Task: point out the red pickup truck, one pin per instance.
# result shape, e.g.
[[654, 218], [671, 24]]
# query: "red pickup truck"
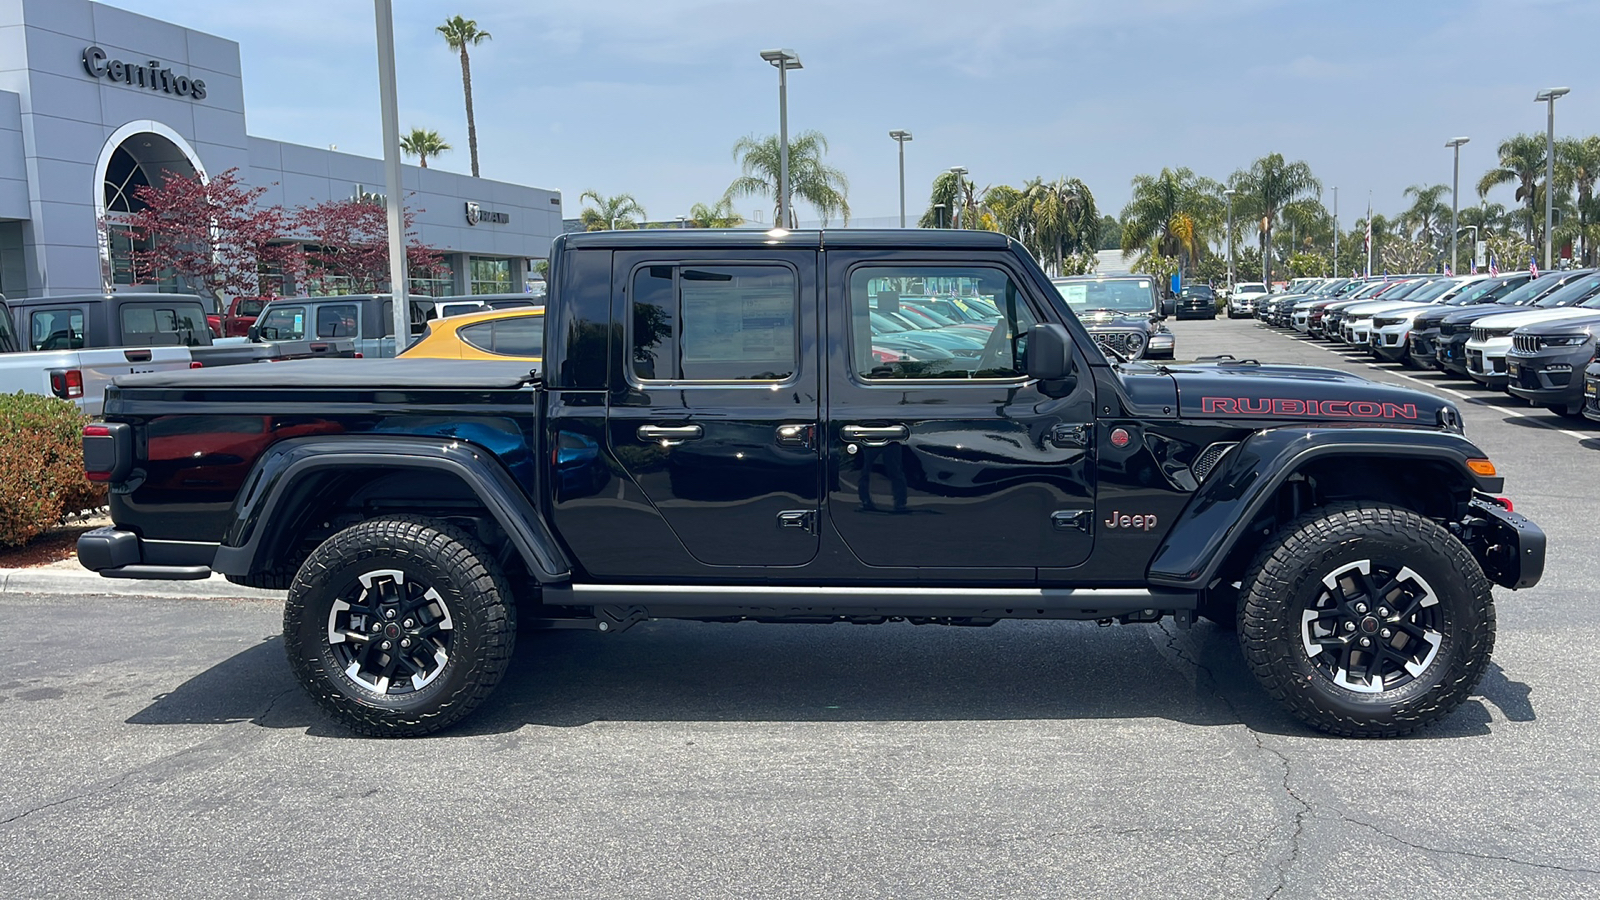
[[236, 322]]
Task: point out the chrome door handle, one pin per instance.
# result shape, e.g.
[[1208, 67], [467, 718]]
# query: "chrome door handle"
[[874, 436], [670, 435]]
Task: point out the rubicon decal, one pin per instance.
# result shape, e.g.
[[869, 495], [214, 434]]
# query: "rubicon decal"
[[1284, 406]]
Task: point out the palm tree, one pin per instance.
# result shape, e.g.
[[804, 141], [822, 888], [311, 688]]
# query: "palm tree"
[[946, 197], [610, 212], [460, 34], [1068, 222], [1578, 164], [1521, 161], [1428, 211], [1265, 189], [1170, 214], [422, 144], [810, 179], [718, 215]]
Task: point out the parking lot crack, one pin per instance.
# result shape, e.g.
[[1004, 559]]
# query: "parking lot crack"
[[1444, 851], [104, 789], [261, 718]]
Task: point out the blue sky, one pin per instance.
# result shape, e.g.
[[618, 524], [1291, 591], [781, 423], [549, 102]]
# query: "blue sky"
[[648, 96]]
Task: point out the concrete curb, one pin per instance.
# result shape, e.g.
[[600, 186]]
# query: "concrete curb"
[[66, 581]]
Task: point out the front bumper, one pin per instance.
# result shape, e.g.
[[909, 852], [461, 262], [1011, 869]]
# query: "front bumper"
[[1591, 393], [1451, 353], [1486, 361], [115, 553], [1509, 547], [1423, 344], [1552, 378], [1391, 342]]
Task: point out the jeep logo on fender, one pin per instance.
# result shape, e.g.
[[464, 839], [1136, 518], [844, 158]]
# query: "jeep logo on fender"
[[1280, 406], [1120, 520]]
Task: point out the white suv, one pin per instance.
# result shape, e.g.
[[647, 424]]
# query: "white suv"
[[1242, 302]]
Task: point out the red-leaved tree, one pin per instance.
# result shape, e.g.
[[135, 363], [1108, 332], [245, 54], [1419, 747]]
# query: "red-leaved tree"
[[349, 239], [213, 234]]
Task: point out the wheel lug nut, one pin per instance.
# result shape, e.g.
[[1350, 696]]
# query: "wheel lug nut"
[[386, 645], [1366, 642], [1386, 633], [389, 613], [1383, 611], [409, 623], [1361, 607], [405, 642], [1349, 626], [376, 627]]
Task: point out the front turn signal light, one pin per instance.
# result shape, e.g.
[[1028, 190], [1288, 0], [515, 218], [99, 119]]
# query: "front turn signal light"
[[1481, 467]]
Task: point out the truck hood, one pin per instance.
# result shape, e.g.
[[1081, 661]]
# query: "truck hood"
[[1300, 394]]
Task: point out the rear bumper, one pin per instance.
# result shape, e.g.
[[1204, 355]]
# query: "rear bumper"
[[115, 553]]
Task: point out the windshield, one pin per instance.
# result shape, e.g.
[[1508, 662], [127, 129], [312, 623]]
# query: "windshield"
[[1133, 295], [1531, 291], [1195, 290], [1250, 287], [1575, 292], [1402, 290], [1431, 290]]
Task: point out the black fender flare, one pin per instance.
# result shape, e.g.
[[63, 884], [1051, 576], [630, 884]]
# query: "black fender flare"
[[1214, 521], [272, 480]]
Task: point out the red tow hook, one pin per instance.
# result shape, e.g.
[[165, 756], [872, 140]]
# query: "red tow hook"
[[1504, 501]]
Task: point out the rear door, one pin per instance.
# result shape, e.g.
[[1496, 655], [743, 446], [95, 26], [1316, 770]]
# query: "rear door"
[[714, 414], [960, 462]]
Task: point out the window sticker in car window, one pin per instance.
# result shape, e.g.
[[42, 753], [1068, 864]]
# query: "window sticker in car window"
[[1075, 294]]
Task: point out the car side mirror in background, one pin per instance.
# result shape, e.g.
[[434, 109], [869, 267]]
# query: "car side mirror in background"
[[1050, 354], [1169, 306]]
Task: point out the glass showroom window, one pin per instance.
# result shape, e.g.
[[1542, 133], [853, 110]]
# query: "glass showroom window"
[[490, 276]]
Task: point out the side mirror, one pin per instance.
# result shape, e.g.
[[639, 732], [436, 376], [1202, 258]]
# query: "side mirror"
[[265, 334], [1050, 353], [1169, 307]]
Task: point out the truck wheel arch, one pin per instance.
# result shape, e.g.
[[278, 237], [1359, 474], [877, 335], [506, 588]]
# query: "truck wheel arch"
[[1216, 526], [283, 488]]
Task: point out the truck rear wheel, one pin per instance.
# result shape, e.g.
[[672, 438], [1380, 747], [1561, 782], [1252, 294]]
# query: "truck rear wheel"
[[1367, 621], [399, 626]]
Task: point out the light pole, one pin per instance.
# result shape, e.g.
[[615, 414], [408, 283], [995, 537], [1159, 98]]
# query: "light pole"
[[399, 280], [1229, 194], [900, 137], [938, 215], [783, 61], [1336, 232], [1549, 96], [681, 221], [1474, 245], [960, 172], [1455, 188]]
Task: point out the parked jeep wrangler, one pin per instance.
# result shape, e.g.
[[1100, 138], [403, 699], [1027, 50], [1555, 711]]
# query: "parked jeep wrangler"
[[713, 437]]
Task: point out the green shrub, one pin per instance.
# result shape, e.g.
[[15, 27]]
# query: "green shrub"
[[41, 466]]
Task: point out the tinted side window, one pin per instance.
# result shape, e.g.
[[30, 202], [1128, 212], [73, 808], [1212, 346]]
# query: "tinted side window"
[[284, 323], [715, 323], [56, 329], [992, 344], [8, 332], [336, 320], [522, 336], [162, 325]]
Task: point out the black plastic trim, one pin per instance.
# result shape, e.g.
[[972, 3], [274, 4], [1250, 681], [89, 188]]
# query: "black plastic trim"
[[257, 509]]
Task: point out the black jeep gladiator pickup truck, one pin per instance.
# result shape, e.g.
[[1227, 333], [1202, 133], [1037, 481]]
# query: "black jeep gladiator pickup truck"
[[714, 436]]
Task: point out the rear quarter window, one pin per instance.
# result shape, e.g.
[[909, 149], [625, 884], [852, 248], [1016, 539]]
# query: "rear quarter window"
[[522, 336], [163, 324]]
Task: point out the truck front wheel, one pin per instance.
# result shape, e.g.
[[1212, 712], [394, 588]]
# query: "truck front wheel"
[[399, 626], [1367, 621]]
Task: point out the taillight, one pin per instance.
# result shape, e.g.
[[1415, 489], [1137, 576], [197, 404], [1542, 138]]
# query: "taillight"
[[107, 451], [67, 383], [357, 356], [196, 364]]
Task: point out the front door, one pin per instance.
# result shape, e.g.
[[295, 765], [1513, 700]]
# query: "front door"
[[941, 453], [714, 414]]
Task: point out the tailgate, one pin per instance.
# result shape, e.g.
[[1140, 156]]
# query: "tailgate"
[[99, 367]]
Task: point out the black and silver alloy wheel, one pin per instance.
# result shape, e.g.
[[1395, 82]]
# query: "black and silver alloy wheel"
[[1373, 629], [394, 636], [1366, 621], [399, 626]]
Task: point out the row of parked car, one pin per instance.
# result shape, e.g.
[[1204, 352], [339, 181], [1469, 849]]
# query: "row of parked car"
[[72, 347], [1534, 338]]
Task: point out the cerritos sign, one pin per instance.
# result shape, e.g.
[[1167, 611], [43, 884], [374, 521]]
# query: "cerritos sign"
[[148, 75]]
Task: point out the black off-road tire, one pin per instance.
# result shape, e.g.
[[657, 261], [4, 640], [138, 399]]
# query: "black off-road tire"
[[433, 556], [1285, 583]]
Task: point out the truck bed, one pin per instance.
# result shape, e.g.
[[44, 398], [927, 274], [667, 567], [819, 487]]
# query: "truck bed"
[[346, 374]]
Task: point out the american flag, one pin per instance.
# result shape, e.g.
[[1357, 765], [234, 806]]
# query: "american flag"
[[1447, 272], [1533, 267], [1494, 267]]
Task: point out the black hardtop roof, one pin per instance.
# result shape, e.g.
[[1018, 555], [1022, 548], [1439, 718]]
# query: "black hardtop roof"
[[750, 238], [120, 296]]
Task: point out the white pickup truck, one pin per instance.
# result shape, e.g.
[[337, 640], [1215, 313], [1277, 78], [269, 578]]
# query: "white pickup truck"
[[73, 346]]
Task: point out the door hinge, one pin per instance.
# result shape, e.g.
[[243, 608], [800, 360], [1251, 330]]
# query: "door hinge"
[[1071, 520], [1070, 435], [800, 519]]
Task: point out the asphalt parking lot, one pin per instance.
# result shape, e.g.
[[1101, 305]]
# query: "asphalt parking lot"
[[159, 748]]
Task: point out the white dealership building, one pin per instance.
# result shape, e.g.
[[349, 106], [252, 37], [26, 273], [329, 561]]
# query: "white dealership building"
[[96, 100]]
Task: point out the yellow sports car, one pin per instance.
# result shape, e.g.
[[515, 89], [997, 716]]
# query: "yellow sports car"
[[502, 334]]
